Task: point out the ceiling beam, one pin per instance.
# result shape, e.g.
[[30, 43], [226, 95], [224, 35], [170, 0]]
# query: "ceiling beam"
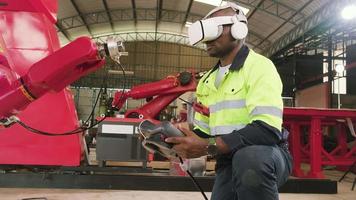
[[150, 36], [254, 10], [81, 16], [108, 13], [188, 12], [285, 22], [123, 15], [160, 5], [134, 13], [325, 14], [64, 32], [266, 7], [158, 14]]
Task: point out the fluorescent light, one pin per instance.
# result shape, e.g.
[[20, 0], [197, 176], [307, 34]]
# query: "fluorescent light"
[[339, 68], [244, 10], [349, 12], [187, 24], [117, 72], [221, 3], [210, 2]]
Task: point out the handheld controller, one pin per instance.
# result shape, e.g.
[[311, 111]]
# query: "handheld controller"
[[154, 136]]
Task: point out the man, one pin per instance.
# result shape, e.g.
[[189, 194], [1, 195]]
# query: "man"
[[243, 130]]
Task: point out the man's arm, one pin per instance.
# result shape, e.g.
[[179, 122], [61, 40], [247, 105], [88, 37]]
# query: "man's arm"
[[255, 133]]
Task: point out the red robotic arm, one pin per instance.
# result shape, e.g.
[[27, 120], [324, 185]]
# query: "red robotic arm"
[[164, 92], [52, 73], [81, 57]]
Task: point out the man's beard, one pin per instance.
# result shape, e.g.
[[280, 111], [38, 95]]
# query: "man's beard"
[[220, 53]]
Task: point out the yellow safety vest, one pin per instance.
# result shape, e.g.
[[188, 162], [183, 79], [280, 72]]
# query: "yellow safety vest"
[[251, 90]]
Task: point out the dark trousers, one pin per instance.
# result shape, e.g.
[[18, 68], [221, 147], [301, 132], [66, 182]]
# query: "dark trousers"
[[251, 173]]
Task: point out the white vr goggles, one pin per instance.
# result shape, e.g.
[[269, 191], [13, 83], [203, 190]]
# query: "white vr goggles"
[[211, 28]]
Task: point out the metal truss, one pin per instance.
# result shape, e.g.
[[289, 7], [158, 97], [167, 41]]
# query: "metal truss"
[[140, 15], [64, 32], [148, 36], [151, 36], [80, 14], [285, 22], [318, 39], [275, 8], [108, 14], [327, 12]]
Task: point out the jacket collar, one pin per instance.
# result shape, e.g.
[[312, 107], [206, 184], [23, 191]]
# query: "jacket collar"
[[238, 61]]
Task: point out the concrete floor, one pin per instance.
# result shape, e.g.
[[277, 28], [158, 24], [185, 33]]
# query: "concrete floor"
[[344, 193]]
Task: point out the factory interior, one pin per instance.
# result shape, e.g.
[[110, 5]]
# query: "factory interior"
[[90, 90]]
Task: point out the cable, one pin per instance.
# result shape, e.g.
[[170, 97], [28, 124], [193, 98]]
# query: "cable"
[[185, 101], [84, 126], [75, 131], [96, 101], [194, 180], [123, 85], [94, 106]]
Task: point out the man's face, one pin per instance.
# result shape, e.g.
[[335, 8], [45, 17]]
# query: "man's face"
[[224, 44]]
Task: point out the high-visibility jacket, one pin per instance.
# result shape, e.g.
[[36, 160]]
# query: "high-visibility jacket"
[[251, 90]]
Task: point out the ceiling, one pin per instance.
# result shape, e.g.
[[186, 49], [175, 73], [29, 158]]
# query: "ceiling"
[[165, 20]]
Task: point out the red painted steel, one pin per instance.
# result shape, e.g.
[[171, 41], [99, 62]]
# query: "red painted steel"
[[164, 92], [314, 122], [33, 66]]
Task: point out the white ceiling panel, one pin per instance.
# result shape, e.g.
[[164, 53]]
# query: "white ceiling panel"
[[125, 26], [65, 9], [201, 8], [77, 32], [181, 5], [146, 3], [118, 4], [170, 27], [89, 6], [146, 26], [98, 29]]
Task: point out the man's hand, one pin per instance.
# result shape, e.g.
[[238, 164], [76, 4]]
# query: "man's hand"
[[190, 146]]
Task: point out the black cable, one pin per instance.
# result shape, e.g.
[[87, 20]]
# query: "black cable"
[[194, 180], [123, 85], [75, 131], [185, 101], [83, 127], [94, 106], [96, 101]]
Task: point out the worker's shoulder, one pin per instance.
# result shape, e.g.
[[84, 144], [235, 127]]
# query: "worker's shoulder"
[[256, 58]]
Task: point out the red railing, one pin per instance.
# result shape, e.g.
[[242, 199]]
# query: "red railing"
[[315, 124]]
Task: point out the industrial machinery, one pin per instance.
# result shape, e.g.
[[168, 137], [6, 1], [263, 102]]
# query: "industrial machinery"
[[118, 138], [162, 92], [34, 73]]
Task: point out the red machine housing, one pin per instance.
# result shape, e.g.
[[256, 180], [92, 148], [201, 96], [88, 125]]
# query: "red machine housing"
[[34, 72]]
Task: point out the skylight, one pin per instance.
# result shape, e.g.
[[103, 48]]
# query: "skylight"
[[211, 2], [187, 24], [244, 10], [221, 3]]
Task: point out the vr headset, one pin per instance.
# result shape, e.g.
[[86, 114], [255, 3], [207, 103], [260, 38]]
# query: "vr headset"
[[209, 29]]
